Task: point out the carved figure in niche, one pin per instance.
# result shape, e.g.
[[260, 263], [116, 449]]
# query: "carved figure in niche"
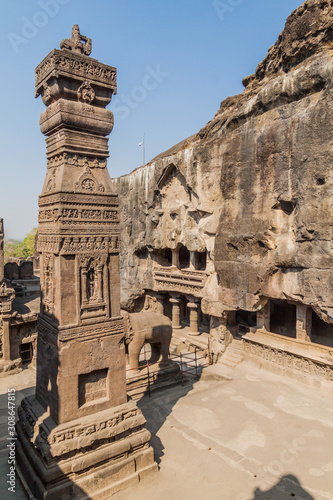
[[77, 43], [151, 328], [91, 283]]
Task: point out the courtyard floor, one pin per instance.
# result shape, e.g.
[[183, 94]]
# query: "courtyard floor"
[[253, 436]]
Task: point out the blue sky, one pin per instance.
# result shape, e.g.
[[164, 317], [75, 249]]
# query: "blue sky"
[[199, 49]]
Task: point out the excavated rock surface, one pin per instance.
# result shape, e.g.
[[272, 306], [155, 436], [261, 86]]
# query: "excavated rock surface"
[[253, 187]]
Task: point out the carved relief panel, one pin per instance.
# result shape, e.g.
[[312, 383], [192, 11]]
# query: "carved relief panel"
[[93, 302], [48, 283]]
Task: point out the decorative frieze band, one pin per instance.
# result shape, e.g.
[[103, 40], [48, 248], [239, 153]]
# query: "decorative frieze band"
[[107, 200], [183, 281], [76, 244], [288, 360], [75, 161], [50, 442], [114, 327], [68, 214], [78, 66]]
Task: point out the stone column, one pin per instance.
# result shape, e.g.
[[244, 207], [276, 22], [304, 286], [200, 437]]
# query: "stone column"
[[84, 286], [263, 318], [193, 260], [81, 365], [175, 313], [5, 339], [100, 283], [175, 257], [194, 329], [303, 322]]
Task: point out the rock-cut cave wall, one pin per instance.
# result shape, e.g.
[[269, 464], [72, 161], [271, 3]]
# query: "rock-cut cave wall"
[[253, 187]]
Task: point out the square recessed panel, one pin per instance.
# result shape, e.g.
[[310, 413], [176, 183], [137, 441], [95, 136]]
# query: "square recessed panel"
[[92, 386]]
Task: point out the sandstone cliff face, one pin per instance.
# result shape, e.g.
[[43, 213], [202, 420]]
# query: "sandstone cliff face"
[[253, 187]]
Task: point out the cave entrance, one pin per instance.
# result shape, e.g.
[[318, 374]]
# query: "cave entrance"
[[322, 332], [202, 261], [283, 318], [184, 257], [26, 352], [245, 320]]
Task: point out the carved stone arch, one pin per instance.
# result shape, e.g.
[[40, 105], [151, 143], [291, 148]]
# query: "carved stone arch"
[[167, 172], [168, 175]]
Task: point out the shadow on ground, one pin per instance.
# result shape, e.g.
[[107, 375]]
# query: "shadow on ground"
[[159, 406], [287, 487]]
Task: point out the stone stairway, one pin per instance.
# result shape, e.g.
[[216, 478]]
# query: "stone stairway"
[[233, 354]]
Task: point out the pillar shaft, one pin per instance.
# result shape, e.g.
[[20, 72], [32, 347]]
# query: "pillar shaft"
[[175, 313], [6, 340], [100, 283], [303, 322], [263, 318], [193, 260], [175, 258], [84, 298], [194, 328]]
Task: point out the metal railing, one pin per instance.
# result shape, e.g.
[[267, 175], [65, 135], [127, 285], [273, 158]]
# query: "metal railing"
[[189, 364]]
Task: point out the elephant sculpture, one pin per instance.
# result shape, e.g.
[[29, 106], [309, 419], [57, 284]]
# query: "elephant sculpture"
[[147, 327]]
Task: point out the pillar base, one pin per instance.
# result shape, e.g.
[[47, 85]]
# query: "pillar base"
[[194, 334], [92, 457]]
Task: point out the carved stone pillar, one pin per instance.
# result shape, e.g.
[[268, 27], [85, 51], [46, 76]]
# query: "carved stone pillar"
[[5, 339], [175, 313], [175, 257], [7, 295], [263, 318], [81, 371], [100, 283], [303, 322], [84, 296], [194, 328], [193, 260]]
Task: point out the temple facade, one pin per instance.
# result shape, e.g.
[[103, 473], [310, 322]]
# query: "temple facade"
[[230, 231]]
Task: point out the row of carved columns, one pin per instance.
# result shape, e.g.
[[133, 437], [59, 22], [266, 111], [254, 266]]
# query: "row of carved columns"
[[194, 315]]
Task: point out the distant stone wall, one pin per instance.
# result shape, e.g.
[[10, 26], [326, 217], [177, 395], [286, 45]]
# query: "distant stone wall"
[[1, 250]]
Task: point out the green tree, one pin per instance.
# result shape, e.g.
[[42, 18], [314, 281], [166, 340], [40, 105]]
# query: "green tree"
[[9, 248], [21, 249], [27, 247]]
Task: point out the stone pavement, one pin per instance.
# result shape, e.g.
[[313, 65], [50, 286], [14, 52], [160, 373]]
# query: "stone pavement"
[[255, 437]]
